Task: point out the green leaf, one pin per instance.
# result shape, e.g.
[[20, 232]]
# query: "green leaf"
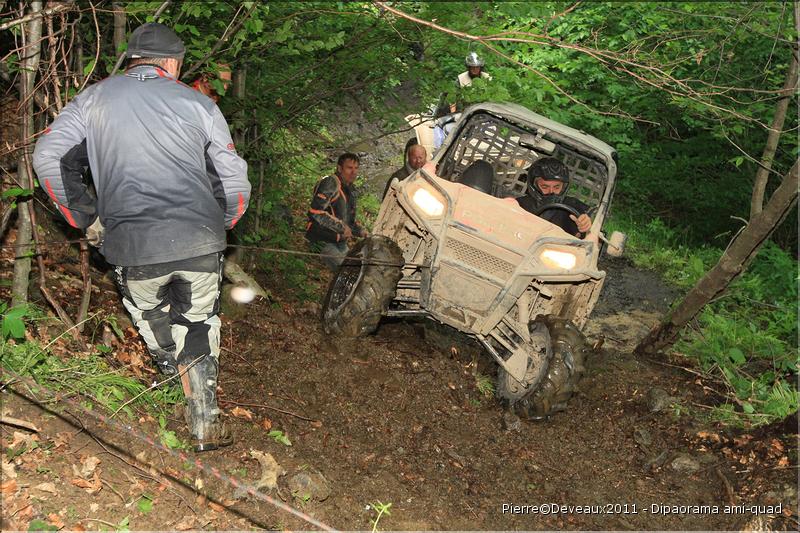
[[41, 525], [279, 436], [17, 312], [88, 68], [748, 408], [170, 440], [736, 356], [15, 192], [145, 504], [13, 327], [124, 524]]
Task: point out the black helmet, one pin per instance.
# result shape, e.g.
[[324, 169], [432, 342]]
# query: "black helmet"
[[548, 168], [154, 40]]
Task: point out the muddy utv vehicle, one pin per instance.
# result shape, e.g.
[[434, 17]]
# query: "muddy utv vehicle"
[[469, 256]]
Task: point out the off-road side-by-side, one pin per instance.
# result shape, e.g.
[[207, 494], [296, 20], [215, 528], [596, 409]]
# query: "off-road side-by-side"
[[452, 244]]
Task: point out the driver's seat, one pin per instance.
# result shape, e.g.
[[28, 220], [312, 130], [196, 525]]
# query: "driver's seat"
[[479, 175]]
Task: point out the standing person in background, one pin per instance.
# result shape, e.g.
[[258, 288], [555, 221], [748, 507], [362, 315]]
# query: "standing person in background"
[[474, 64], [169, 183], [332, 215], [415, 157]]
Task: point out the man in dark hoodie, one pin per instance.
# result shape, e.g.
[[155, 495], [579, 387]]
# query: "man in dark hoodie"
[[332, 215], [169, 183]]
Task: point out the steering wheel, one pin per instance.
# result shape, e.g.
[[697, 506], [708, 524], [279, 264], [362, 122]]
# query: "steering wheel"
[[564, 207]]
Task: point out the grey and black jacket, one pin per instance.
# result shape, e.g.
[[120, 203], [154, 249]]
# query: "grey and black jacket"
[[333, 207], [167, 176]]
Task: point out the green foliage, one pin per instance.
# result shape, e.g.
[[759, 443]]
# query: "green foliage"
[[747, 337], [380, 509], [485, 385], [145, 504], [12, 324], [279, 436], [89, 376], [124, 525], [41, 525], [16, 193]]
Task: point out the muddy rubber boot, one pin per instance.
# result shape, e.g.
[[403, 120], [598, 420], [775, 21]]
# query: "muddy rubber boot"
[[200, 387], [165, 361]]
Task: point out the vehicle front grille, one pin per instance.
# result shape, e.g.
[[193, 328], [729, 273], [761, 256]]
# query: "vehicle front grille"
[[478, 259]]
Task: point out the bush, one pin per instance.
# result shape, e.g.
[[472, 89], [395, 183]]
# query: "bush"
[[746, 338]]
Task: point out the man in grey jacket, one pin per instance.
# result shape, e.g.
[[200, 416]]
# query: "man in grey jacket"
[[169, 183]]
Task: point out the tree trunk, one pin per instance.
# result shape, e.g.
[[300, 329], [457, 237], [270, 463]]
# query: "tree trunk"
[[79, 61], [259, 196], [29, 65], [239, 81], [120, 22], [733, 262], [789, 87]]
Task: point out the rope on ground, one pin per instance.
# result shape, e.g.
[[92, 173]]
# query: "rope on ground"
[[196, 463], [348, 260]]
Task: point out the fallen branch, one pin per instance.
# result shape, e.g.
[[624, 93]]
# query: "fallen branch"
[[262, 406], [11, 421], [87, 285], [727, 484]]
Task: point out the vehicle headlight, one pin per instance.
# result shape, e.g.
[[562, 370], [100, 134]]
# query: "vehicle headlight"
[[428, 203], [558, 259]]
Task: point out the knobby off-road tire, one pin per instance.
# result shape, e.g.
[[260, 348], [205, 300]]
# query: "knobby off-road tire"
[[362, 288], [565, 370], [508, 388]]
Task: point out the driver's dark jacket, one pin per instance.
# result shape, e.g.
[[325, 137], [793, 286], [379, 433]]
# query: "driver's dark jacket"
[[559, 217], [333, 207]]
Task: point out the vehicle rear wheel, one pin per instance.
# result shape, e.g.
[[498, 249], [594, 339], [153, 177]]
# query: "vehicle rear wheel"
[[362, 288], [563, 373]]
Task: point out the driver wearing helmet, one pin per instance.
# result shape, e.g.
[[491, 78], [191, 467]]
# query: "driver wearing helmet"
[[548, 181]]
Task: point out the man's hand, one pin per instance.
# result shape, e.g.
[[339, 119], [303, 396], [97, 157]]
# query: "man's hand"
[[583, 222], [364, 234], [348, 233], [95, 233]]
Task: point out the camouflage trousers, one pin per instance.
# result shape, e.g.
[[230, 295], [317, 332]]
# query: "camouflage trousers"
[[175, 307]]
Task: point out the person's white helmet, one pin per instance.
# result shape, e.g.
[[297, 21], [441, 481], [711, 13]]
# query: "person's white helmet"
[[473, 60]]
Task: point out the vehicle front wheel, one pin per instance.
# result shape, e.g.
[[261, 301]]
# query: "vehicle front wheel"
[[363, 287], [565, 370], [539, 353]]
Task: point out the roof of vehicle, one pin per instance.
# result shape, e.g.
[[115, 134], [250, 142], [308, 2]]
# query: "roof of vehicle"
[[522, 115]]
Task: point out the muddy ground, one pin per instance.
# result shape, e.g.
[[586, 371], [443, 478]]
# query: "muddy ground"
[[398, 418]]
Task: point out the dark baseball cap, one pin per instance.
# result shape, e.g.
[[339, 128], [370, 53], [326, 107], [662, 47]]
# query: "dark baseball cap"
[[154, 40]]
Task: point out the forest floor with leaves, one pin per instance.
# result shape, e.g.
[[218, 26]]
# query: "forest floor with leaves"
[[398, 431]]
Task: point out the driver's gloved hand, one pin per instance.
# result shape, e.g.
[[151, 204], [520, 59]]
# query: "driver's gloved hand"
[[583, 222]]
